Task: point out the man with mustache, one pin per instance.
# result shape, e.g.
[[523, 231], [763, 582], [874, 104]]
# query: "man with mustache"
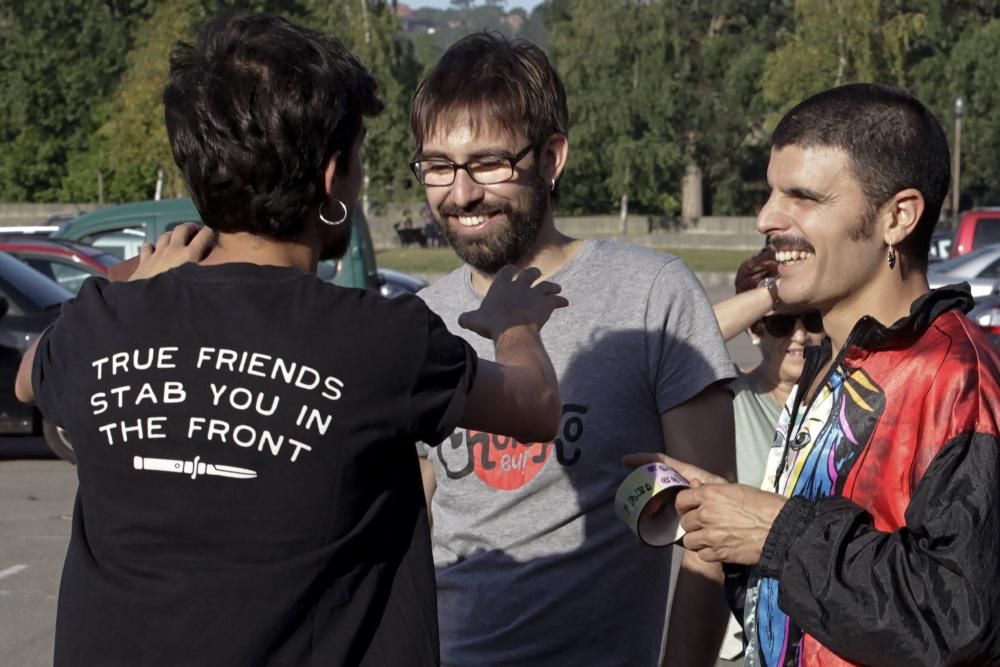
[[533, 567], [876, 537]]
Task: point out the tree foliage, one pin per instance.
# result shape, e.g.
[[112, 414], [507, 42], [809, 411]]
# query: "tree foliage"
[[654, 86], [369, 28], [834, 43], [974, 73], [60, 61]]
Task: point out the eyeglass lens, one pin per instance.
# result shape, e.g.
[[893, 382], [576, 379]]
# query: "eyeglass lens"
[[485, 173]]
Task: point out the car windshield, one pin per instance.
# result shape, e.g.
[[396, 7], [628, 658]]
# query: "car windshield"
[[105, 259], [962, 260], [35, 287]]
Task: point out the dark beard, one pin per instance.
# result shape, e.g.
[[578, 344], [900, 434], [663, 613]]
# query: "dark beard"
[[497, 248]]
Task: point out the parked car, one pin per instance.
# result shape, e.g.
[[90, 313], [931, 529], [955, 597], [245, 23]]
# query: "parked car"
[[976, 229], [986, 313], [980, 268], [66, 262], [121, 231], [29, 302], [394, 283], [940, 247], [30, 230]]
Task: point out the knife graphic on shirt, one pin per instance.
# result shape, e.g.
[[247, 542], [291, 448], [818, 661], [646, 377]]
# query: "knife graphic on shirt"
[[194, 467]]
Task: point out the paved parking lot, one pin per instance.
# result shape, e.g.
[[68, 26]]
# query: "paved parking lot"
[[36, 501]]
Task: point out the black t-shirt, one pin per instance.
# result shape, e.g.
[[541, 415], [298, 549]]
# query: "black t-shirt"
[[249, 489]]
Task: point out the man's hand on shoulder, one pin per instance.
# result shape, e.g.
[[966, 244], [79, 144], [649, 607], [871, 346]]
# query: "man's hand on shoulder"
[[184, 243]]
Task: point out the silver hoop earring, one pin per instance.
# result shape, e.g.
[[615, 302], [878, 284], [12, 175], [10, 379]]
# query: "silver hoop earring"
[[891, 257], [553, 188], [338, 221]]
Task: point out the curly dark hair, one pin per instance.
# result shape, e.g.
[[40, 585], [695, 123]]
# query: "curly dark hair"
[[756, 268], [255, 108]]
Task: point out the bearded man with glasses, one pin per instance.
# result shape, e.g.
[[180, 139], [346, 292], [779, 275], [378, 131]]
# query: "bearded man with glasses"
[[533, 567]]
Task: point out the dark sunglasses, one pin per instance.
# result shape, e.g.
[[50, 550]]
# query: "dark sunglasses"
[[783, 324]]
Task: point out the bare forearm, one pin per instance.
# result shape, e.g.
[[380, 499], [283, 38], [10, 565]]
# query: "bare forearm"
[[23, 389], [701, 432], [699, 615], [737, 313], [429, 482], [519, 394], [533, 387]]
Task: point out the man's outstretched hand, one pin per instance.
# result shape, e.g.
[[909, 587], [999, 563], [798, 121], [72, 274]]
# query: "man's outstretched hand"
[[513, 301]]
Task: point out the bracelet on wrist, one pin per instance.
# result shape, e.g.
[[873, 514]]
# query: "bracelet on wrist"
[[771, 285]]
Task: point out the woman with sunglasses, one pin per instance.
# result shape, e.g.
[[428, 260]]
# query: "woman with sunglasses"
[[781, 334]]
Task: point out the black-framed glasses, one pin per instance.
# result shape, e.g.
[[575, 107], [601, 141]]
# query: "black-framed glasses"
[[485, 171], [781, 325]]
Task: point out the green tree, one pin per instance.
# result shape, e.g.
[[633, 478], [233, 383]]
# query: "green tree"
[[59, 62], [654, 87], [833, 43], [724, 113], [125, 156], [974, 73], [369, 28], [611, 59], [123, 159], [955, 57]]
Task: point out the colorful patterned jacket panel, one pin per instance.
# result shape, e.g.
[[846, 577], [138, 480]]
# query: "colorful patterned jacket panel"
[[888, 552]]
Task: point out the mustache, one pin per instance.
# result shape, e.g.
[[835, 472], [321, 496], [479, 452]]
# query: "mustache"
[[788, 242], [479, 208]]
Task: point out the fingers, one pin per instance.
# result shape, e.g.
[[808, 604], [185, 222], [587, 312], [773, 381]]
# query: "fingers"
[[686, 501], [505, 274], [529, 275], [692, 472], [548, 288], [186, 242], [706, 551], [183, 232], [560, 302], [202, 242]]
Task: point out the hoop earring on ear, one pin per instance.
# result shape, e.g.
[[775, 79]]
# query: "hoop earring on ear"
[[552, 188], [338, 221], [891, 257]]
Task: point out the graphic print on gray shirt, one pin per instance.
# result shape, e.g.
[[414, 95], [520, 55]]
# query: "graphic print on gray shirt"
[[533, 567]]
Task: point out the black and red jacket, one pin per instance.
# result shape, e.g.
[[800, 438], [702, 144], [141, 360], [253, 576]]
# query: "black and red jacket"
[[888, 551]]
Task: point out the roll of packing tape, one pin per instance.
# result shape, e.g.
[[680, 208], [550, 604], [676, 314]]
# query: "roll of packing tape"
[[645, 502]]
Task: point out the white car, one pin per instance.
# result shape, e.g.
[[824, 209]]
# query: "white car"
[[980, 268]]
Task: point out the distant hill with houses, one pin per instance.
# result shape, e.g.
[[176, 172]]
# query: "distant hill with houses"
[[433, 30]]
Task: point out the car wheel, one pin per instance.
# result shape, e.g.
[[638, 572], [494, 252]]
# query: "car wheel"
[[58, 441]]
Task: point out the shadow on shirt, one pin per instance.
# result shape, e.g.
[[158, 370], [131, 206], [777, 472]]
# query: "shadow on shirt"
[[533, 566]]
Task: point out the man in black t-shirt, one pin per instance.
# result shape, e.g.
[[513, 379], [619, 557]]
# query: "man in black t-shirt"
[[249, 490]]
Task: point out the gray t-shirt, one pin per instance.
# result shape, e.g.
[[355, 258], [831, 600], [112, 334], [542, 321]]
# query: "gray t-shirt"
[[533, 567]]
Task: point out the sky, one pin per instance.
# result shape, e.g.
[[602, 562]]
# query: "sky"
[[446, 4]]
